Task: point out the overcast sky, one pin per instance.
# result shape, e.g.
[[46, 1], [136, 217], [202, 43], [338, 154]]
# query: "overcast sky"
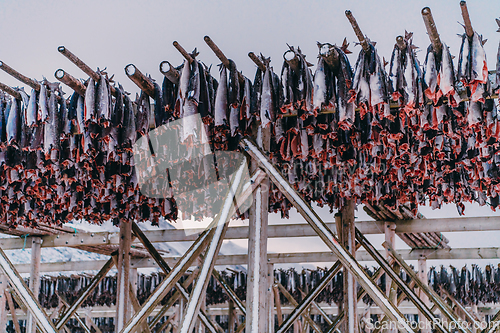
[[113, 34]]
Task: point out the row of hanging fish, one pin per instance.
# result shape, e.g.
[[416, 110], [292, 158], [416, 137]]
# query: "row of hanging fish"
[[468, 285], [412, 134]]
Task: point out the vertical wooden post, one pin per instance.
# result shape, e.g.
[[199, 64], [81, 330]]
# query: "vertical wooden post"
[[123, 277], [133, 286], [348, 239], [422, 275], [390, 238], [257, 283], [270, 296], [230, 321], [34, 285], [3, 301]]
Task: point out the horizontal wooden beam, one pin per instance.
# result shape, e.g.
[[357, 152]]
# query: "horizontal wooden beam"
[[274, 231], [278, 258]]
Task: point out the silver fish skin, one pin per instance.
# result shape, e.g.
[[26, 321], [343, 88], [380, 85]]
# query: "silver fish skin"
[[129, 134], [184, 80], [80, 115], [377, 84], [103, 105], [51, 128], [266, 102], [447, 73], [410, 75], [463, 72], [65, 125], [32, 110], [234, 118], [479, 67], [245, 102], [43, 103], [194, 83], [430, 73], [90, 102], [319, 92], [221, 100], [14, 124]]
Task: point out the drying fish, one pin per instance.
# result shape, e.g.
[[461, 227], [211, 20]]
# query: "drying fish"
[[32, 110], [103, 101], [90, 102], [13, 129]]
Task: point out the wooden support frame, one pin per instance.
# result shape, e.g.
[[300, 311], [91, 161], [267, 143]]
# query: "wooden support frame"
[[85, 293], [460, 224], [324, 232], [193, 306], [395, 277], [123, 281], [164, 266], [292, 301], [3, 302], [26, 295], [36, 258], [8, 295], [193, 253], [444, 308]]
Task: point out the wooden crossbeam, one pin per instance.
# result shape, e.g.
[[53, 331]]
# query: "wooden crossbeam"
[[459, 224]]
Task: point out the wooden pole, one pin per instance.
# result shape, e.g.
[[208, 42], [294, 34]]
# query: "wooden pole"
[[170, 72], [83, 66], [357, 31], [79, 63], [349, 242], [123, 277], [71, 82], [231, 314], [140, 80], [36, 256], [217, 51], [430, 25], [24, 79], [3, 301], [12, 309], [258, 283], [465, 14], [401, 43], [10, 91], [422, 275], [257, 61], [182, 51]]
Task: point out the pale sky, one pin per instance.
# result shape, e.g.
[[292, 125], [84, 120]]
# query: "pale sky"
[[113, 34]]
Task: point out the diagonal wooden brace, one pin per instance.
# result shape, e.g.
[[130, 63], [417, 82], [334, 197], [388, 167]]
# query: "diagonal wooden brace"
[[433, 296], [424, 309], [44, 324], [85, 293]]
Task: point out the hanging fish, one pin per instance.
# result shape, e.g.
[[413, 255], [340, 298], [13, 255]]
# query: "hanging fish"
[[43, 103], [103, 106], [52, 129], [13, 129], [266, 103], [32, 110], [221, 122], [90, 102]]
